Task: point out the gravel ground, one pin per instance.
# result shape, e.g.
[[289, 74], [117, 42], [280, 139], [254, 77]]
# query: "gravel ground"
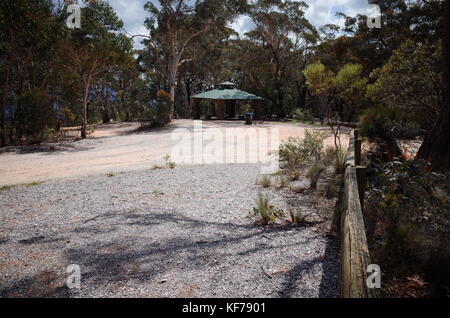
[[160, 233]]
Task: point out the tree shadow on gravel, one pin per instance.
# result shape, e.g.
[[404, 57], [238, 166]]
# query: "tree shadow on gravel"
[[118, 261], [46, 284]]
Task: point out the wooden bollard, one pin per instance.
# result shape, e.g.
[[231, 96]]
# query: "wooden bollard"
[[361, 177], [358, 144]]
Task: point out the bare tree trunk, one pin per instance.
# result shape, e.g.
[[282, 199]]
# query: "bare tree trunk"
[[2, 122], [173, 70], [85, 117], [106, 113], [436, 144]]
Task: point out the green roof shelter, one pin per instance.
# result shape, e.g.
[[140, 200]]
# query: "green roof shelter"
[[225, 102]]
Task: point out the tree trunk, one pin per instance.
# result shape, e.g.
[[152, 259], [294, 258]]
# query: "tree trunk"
[[106, 115], [436, 144], [85, 118], [2, 122], [173, 70]]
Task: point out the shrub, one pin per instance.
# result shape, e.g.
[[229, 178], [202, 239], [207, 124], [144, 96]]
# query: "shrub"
[[314, 173], [407, 218], [264, 212], [302, 152], [302, 115], [375, 121]]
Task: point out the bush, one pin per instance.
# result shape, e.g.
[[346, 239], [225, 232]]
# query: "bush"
[[264, 212], [407, 218], [375, 121], [302, 115], [336, 158], [314, 173], [303, 152]]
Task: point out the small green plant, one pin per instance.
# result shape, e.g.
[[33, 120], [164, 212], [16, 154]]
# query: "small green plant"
[[8, 187], [314, 174], [169, 163], [157, 167], [157, 192], [33, 184], [264, 212], [110, 174], [266, 182]]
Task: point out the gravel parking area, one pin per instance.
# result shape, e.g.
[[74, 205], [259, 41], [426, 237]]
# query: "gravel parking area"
[[160, 233]]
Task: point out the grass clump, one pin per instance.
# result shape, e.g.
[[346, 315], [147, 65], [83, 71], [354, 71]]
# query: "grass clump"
[[297, 217], [33, 184], [283, 182], [169, 163], [264, 212], [8, 187], [265, 182]]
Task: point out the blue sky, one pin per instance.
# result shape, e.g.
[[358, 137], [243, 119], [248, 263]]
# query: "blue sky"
[[320, 12]]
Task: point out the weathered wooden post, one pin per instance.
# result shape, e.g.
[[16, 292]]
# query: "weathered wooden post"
[[358, 152], [361, 177]]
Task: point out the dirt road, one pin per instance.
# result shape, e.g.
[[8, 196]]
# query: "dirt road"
[[113, 148]]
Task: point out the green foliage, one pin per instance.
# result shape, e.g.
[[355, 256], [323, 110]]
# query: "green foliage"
[[302, 115], [405, 216], [318, 79], [297, 151], [338, 96], [264, 212], [412, 81], [374, 121], [33, 184], [35, 114]]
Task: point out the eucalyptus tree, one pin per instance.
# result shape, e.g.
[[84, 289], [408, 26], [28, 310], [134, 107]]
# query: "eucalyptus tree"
[[174, 25], [96, 48], [282, 34]]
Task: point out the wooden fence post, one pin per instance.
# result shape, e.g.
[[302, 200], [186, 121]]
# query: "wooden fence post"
[[361, 177], [358, 152]]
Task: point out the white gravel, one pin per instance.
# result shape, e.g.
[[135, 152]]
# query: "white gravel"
[[160, 233]]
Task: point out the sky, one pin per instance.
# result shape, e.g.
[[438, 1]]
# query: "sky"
[[320, 12]]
